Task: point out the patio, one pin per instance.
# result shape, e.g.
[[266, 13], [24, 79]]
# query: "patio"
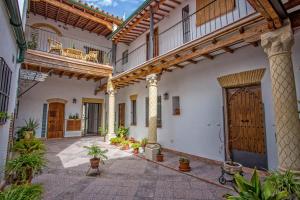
[[123, 176]]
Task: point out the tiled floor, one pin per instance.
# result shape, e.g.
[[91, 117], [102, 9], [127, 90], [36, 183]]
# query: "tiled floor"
[[122, 177]]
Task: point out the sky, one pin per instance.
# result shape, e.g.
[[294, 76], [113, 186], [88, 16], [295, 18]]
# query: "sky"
[[119, 8]]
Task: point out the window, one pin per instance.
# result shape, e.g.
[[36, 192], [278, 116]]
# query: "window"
[[125, 57], [133, 112], [5, 81], [176, 105], [159, 112], [186, 24], [208, 10]]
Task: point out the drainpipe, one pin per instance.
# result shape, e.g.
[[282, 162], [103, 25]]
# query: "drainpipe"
[[16, 23]]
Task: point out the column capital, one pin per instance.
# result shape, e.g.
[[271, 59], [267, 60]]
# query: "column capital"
[[110, 86], [152, 79], [278, 41]]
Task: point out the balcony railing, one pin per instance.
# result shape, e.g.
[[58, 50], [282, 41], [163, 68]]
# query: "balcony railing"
[[204, 21], [48, 41]]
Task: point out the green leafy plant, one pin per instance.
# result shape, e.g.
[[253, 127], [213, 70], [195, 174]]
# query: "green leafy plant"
[[25, 166], [102, 131], [96, 152], [22, 192], [24, 146], [122, 132], [253, 189], [4, 116], [136, 145], [285, 182], [33, 43], [184, 160], [116, 140], [144, 142], [125, 143]]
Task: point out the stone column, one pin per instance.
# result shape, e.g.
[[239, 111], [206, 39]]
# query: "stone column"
[[151, 149], [111, 110], [277, 45]]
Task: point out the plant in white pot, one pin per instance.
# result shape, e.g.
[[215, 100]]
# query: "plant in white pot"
[[98, 155]]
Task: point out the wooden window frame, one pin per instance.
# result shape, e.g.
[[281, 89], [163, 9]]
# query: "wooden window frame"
[[176, 108], [5, 84], [125, 57]]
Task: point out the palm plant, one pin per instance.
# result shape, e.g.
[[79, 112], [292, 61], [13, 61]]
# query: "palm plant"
[[96, 152], [22, 192], [255, 190], [25, 166], [29, 146], [31, 125]]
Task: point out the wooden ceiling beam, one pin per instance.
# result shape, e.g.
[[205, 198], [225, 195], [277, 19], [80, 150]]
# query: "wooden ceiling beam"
[[208, 56], [227, 49], [68, 18], [76, 11], [192, 61], [57, 14], [291, 4]]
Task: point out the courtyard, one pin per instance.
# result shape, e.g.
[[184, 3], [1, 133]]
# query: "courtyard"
[[124, 176]]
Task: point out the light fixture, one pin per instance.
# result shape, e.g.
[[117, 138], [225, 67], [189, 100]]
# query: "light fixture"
[[166, 96], [74, 100]]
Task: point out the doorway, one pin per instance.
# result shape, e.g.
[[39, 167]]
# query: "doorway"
[[246, 131], [56, 120], [121, 121], [92, 118]]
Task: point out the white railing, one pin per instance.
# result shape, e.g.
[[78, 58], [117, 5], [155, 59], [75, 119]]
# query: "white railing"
[[187, 30]]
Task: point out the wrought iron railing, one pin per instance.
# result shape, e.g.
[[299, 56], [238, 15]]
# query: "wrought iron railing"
[[48, 41], [202, 22]]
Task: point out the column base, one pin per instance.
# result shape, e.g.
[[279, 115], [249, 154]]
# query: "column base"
[[151, 150], [108, 137]]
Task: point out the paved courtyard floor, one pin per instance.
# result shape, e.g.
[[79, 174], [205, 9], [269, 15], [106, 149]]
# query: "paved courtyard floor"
[[123, 176]]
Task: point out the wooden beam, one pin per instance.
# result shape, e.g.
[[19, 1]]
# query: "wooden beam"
[[178, 66], [192, 61], [208, 56], [57, 14], [295, 18], [67, 20], [227, 49], [75, 11], [265, 8], [291, 4]]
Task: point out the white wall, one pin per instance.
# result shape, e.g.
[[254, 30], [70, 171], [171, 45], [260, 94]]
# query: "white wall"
[[9, 51], [199, 127], [31, 104], [171, 38]]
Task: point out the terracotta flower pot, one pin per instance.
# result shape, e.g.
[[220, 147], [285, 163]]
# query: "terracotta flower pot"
[[136, 151], [184, 166], [160, 157], [95, 163], [232, 167], [125, 147]]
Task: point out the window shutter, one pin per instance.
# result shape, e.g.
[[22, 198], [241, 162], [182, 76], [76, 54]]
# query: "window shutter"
[[208, 10], [44, 120]]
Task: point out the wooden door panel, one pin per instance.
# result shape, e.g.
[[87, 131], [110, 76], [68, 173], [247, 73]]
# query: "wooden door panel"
[[56, 120], [245, 117]]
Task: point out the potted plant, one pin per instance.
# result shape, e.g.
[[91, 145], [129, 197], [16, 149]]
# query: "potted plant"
[[25, 166], [3, 116], [136, 147], [132, 140], [144, 143], [125, 145], [184, 164], [98, 155], [115, 141], [122, 132], [28, 131], [29, 146], [159, 156]]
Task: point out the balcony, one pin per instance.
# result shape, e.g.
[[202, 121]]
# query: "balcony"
[[197, 25], [50, 52]]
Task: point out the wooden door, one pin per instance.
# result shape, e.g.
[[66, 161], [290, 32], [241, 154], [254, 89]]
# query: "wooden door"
[[56, 120], [121, 115], [246, 126]]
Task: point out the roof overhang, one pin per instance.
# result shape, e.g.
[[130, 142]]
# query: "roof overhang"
[[76, 14], [139, 21]]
